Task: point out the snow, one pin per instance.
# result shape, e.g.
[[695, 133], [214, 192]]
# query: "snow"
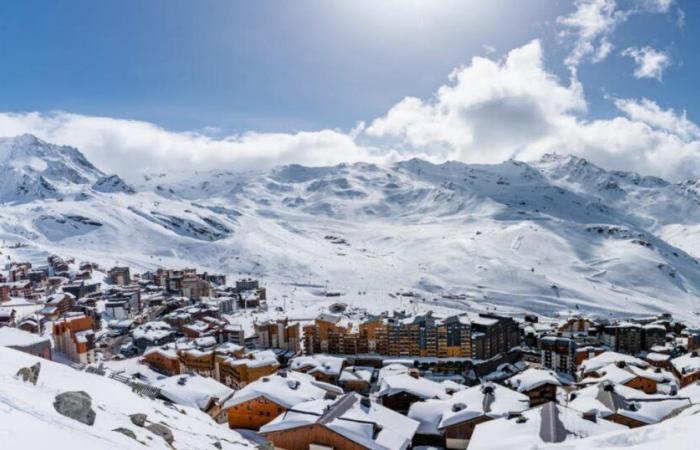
[[420, 387], [686, 364], [682, 433], [10, 337], [436, 414], [543, 236], [192, 390], [511, 433], [533, 378], [636, 404], [606, 358], [29, 420], [325, 364], [356, 423], [286, 391]]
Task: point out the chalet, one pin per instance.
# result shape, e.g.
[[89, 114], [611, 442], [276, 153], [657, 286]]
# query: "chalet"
[[241, 371], [643, 379], [195, 391], [74, 336], [30, 324], [661, 360], [21, 289], [546, 424], [450, 422], [324, 368], [687, 368], [592, 366], [163, 359], [25, 342], [624, 405], [57, 305], [260, 402], [201, 362], [540, 385], [399, 392], [350, 422], [152, 334]]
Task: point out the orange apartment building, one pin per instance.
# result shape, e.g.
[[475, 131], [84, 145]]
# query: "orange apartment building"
[[74, 336]]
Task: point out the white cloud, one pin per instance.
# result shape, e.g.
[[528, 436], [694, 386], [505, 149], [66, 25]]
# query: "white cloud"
[[590, 25], [130, 147], [593, 22], [493, 110], [488, 111], [651, 63]]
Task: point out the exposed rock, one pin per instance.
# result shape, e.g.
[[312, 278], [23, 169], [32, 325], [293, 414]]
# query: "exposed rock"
[[30, 374], [126, 432], [77, 405], [217, 444], [138, 419], [162, 431]]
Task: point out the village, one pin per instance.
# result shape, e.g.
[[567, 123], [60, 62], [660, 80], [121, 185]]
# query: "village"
[[344, 380]]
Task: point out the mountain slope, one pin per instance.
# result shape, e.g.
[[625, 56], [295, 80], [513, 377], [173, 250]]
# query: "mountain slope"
[[28, 418], [559, 233]]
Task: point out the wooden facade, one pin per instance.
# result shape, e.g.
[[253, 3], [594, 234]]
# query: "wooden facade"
[[253, 413], [306, 437]]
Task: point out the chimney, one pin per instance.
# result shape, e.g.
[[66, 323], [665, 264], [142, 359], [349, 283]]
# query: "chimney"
[[591, 416]]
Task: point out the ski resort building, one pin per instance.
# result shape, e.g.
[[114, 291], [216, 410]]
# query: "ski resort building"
[[74, 337]]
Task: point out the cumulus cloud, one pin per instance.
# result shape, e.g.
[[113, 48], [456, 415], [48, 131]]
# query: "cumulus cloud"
[[130, 147], [487, 111], [514, 108], [651, 63], [593, 22]]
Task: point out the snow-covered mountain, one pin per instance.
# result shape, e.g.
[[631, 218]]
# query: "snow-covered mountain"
[[558, 233]]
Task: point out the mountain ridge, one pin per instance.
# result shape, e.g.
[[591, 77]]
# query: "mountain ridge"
[[554, 234]]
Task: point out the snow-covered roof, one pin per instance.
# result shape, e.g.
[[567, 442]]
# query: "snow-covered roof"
[[15, 337], [285, 390], [609, 398], [192, 390], [357, 373], [599, 361], [489, 399], [691, 391], [688, 363], [657, 357], [532, 378], [152, 331], [546, 424], [368, 424], [391, 369], [418, 386], [325, 364]]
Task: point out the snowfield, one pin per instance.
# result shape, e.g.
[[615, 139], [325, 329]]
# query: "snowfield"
[[28, 419], [546, 236]]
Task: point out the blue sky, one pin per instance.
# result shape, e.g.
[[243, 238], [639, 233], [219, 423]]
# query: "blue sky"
[[228, 68]]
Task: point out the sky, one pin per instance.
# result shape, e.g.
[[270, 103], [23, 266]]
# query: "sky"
[[180, 85]]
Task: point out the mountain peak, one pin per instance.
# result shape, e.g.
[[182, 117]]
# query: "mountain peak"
[[32, 168]]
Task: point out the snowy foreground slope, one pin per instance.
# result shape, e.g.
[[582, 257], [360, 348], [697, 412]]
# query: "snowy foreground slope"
[[545, 236], [28, 419]]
